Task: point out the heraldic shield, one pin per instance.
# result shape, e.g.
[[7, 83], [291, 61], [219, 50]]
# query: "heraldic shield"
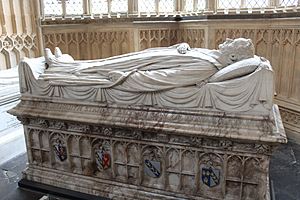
[[152, 168], [60, 150], [102, 159], [210, 176]]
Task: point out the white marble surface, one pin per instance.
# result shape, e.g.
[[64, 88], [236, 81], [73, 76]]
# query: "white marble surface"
[[159, 77], [180, 143], [120, 148]]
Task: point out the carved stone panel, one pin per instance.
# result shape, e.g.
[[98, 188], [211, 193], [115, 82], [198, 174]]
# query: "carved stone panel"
[[203, 167]]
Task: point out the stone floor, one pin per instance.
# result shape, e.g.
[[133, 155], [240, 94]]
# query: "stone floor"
[[285, 172]]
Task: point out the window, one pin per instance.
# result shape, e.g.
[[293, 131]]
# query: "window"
[[166, 6], [74, 7], [229, 4], [288, 2], [113, 7], [119, 6], [194, 6], [99, 6], [256, 3], [146, 6], [52, 7]]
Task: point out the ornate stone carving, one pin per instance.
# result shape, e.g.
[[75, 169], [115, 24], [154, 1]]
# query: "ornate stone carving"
[[104, 44], [192, 163], [165, 37], [199, 142], [24, 120], [43, 123], [16, 46]]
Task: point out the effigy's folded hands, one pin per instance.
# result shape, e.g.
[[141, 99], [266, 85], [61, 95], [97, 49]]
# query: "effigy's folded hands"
[[183, 48]]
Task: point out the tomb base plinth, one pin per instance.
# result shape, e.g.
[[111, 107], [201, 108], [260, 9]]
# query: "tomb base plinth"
[[149, 153]]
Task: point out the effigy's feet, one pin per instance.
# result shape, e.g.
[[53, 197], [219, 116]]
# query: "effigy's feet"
[[57, 52], [48, 55]]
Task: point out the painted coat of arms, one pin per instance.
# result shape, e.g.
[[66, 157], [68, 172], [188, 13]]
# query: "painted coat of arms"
[[60, 150], [210, 176], [103, 159], [152, 164], [152, 168]]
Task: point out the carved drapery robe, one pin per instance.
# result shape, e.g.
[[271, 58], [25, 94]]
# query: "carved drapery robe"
[[145, 71]]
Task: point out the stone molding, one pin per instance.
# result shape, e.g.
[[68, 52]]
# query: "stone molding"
[[207, 123], [130, 134]]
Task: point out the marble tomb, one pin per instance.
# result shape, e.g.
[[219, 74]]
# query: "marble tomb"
[[163, 123]]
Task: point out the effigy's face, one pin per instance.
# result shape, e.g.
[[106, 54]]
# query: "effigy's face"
[[231, 45], [225, 45], [237, 49]]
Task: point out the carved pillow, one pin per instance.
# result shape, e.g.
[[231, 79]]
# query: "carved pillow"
[[235, 70]]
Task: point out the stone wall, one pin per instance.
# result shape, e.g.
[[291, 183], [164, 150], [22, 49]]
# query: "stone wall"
[[110, 40], [18, 31]]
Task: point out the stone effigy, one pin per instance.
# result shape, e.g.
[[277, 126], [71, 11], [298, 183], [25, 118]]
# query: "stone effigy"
[[160, 77], [163, 123]]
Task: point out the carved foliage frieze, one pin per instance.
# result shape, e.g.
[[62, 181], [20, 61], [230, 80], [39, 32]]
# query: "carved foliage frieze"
[[152, 136], [289, 117]]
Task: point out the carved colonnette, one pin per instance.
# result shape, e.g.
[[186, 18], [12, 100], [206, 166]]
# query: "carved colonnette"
[[143, 152]]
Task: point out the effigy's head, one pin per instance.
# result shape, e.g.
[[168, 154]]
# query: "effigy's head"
[[233, 50]]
